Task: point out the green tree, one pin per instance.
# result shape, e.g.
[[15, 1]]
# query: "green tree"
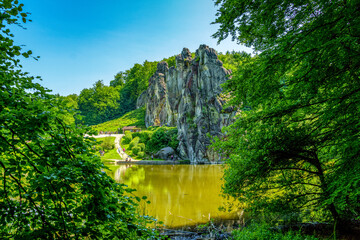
[[296, 145], [99, 103], [171, 61], [131, 84], [52, 186], [233, 60], [162, 137], [71, 103], [119, 80]]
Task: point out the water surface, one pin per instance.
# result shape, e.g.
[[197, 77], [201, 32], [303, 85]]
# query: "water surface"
[[179, 194]]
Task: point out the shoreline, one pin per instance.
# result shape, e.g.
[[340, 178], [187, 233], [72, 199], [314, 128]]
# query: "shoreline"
[[156, 162]]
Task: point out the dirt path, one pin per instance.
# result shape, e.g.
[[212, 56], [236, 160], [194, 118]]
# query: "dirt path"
[[118, 147]]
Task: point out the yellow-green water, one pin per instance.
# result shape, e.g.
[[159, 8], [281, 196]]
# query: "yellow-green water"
[[179, 194]]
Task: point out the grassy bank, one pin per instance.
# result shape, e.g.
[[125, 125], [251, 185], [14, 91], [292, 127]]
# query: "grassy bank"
[[107, 144], [111, 154], [133, 118], [257, 231]]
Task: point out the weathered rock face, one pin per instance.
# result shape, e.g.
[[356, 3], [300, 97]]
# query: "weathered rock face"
[[141, 100], [156, 97], [166, 153], [189, 97]]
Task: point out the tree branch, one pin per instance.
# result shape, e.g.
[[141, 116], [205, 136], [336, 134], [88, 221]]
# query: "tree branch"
[[294, 168]]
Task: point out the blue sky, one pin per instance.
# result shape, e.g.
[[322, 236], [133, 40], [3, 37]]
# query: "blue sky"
[[82, 41]]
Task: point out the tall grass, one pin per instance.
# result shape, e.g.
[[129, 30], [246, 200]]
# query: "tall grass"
[[256, 231], [133, 118]]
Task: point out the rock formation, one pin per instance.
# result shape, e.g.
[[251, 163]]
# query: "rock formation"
[[189, 97], [166, 153]]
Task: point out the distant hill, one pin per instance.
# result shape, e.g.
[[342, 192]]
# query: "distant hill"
[[133, 118]]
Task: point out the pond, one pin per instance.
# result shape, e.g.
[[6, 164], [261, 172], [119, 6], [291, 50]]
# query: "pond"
[[180, 195]]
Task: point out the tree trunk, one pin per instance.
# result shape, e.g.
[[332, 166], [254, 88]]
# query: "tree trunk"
[[324, 187]]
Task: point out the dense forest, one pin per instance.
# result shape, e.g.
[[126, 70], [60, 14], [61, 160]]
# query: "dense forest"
[[294, 151], [102, 103]]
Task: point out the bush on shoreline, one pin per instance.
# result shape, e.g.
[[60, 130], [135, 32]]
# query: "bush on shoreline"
[[257, 231]]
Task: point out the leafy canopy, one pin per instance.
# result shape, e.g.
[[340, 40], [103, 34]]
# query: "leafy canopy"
[[52, 186], [103, 103], [295, 146], [99, 103]]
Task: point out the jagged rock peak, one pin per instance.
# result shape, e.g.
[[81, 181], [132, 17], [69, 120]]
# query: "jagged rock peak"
[[207, 55], [184, 55], [162, 67], [209, 51], [188, 96]]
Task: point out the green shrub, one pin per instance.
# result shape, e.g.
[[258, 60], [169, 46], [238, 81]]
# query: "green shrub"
[[142, 146], [135, 150], [158, 140], [129, 135], [152, 128], [141, 154], [136, 134], [134, 142], [107, 144], [173, 141], [143, 135], [162, 137], [127, 138], [146, 135], [263, 232]]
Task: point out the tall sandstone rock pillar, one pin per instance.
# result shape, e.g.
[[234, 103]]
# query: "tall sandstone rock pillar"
[[189, 97]]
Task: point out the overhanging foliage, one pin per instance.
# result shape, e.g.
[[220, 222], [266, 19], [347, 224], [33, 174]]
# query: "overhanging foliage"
[[297, 148], [52, 186]]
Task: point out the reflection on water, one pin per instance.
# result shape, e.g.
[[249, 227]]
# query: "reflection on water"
[[179, 194]]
